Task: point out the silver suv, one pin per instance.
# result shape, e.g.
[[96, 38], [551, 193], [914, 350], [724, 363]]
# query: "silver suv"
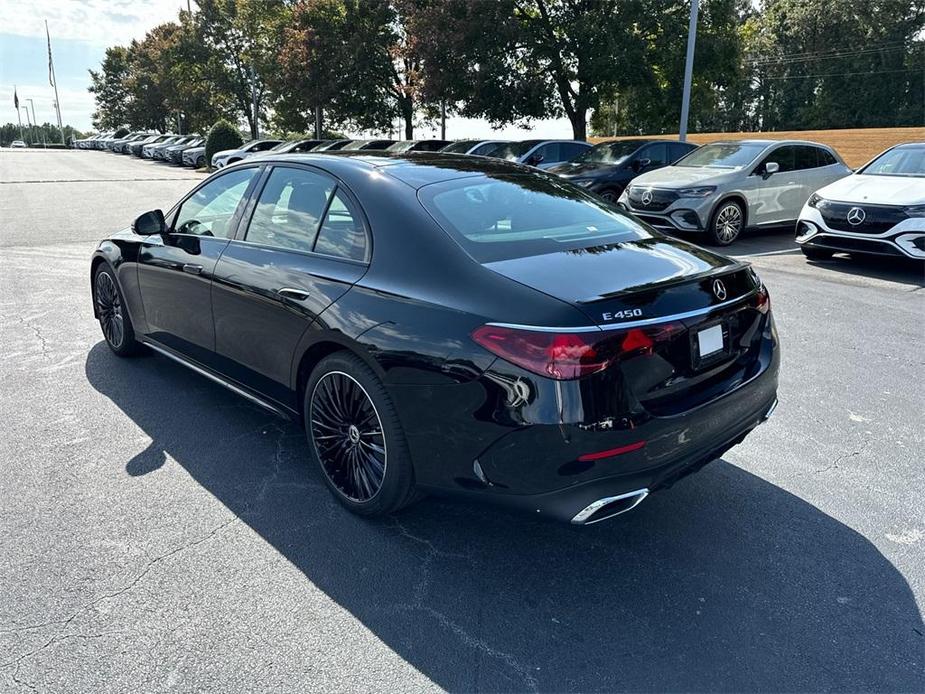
[[726, 187]]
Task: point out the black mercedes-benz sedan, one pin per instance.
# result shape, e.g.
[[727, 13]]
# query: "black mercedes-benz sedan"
[[449, 323]]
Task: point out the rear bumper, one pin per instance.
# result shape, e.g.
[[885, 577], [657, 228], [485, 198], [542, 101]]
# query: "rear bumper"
[[556, 448]]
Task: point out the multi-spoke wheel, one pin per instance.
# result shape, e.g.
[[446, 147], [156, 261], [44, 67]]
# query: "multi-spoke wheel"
[[356, 437], [611, 195], [727, 223], [110, 310]]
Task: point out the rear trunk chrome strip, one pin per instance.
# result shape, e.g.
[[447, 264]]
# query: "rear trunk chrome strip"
[[217, 379], [628, 324]]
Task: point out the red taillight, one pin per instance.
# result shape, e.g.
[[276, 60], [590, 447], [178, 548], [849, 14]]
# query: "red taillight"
[[763, 300], [565, 356], [612, 452]]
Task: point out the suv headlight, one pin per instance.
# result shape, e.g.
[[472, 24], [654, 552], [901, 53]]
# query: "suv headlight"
[[814, 200], [915, 211], [698, 192]]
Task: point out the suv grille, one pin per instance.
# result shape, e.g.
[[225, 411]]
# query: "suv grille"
[[877, 218], [659, 201]]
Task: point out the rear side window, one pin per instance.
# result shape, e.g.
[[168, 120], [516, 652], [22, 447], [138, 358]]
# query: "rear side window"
[[520, 215], [825, 157], [342, 233], [289, 209], [806, 157]]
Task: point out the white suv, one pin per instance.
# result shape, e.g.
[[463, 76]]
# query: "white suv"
[[879, 210]]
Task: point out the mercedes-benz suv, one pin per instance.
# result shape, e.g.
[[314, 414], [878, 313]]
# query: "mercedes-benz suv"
[[724, 188], [879, 210]]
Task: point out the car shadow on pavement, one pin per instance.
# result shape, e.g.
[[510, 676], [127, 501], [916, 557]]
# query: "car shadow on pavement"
[[725, 582], [900, 270]]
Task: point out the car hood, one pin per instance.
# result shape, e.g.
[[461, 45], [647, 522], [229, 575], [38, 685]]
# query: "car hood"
[[575, 169], [225, 153], [601, 278], [876, 190], [682, 176]]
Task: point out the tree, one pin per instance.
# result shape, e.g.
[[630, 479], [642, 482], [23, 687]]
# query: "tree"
[[240, 32], [223, 135], [108, 87]]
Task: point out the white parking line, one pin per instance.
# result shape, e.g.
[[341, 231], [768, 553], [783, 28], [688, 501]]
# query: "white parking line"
[[757, 255]]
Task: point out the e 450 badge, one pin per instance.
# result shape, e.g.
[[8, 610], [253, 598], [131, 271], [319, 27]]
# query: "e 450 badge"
[[620, 315]]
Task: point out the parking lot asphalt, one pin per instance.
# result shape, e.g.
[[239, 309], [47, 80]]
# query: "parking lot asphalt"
[[159, 533]]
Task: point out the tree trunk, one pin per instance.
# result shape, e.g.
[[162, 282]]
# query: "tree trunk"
[[408, 117], [579, 119]]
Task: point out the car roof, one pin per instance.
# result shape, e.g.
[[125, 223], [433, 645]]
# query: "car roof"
[[767, 143], [414, 168]]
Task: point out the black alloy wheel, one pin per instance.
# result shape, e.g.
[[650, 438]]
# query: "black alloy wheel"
[[356, 438], [114, 320]]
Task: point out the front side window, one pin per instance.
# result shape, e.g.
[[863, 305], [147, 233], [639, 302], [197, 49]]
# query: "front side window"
[[783, 156], [512, 151], [549, 153], [289, 209], [518, 215], [656, 154], [208, 211], [906, 160], [608, 152], [722, 155]]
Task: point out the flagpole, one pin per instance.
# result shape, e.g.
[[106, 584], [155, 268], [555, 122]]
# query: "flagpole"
[[54, 83]]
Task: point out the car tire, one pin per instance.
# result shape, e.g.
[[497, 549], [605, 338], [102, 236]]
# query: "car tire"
[[611, 195], [342, 396], [727, 223], [816, 253], [114, 320]]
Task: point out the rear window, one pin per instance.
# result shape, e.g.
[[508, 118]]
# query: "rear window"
[[507, 216]]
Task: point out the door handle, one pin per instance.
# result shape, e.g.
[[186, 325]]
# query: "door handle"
[[192, 268], [290, 293]]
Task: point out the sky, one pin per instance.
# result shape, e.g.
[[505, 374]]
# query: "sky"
[[81, 30]]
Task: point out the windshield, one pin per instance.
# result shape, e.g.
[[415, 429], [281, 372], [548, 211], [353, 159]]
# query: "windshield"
[[608, 152], [518, 215], [282, 145], [906, 160], [723, 155], [512, 151], [401, 146]]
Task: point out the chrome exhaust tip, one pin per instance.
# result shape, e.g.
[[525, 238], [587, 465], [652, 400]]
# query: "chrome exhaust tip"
[[609, 506]]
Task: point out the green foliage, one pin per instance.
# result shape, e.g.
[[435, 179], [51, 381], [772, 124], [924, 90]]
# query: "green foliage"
[[45, 134], [222, 135]]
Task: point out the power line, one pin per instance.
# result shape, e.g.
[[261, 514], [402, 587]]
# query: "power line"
[[835, 52], [839, 74], [833, 56]]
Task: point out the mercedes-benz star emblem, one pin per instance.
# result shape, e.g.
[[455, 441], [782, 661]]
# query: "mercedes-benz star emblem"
[[719, 289], [856, 216], [647, 197]]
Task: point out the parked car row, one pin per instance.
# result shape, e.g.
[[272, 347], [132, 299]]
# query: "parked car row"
[[719, 190]]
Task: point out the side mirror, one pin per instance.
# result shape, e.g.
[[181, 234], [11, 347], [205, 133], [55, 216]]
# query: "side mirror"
[[771, 168], [640, 164], [535, 159], [149, 223]]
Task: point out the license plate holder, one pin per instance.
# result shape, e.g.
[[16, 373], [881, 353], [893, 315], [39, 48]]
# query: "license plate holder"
[[709, 343]]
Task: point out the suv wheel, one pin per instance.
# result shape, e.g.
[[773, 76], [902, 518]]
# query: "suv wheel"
[[727, 223]]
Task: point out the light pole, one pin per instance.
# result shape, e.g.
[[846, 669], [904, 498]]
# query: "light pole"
[[34, 121], [29, 123], [688, 70]]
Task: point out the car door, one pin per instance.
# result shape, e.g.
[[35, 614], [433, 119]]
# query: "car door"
[[305, 244], [771, 197], [175, 269]]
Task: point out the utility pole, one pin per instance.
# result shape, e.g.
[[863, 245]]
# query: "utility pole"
[[688, 70]]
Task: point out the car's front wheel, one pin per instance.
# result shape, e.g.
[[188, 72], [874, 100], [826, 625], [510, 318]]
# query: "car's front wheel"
[[611, 195], [114, 319], [727, 223], [356, 438]]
